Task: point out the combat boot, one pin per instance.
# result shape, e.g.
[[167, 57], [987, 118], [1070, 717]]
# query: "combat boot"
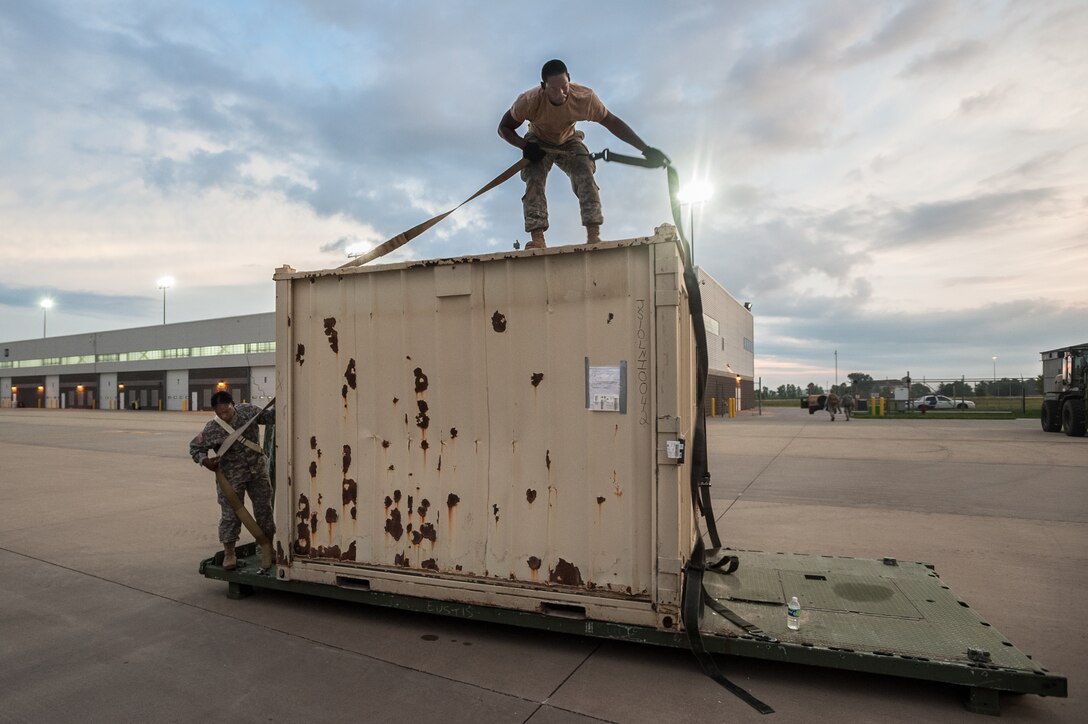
[[230, 560], [537, 242], [593, 234]]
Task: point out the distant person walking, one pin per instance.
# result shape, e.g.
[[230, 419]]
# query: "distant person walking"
[[552, 109], [847, 405], [832, 405], [244, 466]]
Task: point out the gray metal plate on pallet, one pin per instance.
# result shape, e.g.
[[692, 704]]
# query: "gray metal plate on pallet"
[[867, 606]]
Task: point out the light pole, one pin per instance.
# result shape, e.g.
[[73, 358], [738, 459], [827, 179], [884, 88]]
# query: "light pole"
[[164, 284], [694, 193], [46, 305]]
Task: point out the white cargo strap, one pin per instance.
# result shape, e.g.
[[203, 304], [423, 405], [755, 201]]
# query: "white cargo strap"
[[405, 236], [244, 440], [232, 497]]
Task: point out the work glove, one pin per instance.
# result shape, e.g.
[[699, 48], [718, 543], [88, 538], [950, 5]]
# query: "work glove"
[[533, 152], [655, 156]]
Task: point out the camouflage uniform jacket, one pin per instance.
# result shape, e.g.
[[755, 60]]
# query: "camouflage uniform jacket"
[[240, 463]]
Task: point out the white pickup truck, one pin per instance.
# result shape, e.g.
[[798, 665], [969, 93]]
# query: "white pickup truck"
[[939, 402]]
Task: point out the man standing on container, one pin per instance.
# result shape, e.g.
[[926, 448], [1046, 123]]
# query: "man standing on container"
[[552, 110], [244, 466]]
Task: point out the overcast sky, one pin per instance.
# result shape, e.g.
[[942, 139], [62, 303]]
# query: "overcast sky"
[[903, 182]]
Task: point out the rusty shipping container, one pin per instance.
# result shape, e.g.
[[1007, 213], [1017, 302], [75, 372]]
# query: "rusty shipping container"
[[491, 430]]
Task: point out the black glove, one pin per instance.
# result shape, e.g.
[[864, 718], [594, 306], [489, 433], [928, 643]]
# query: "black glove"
[[533, 152], [656, 157]]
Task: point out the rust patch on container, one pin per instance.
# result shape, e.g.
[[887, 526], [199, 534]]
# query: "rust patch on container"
[[610, 318], [300, 353], [417, 537], [451, 502], [349, 554], [401, 560], [281, 558], [351, 492], [302, 542], [396, 400], [600, 500], [530, 495], [453, 433], [344, 394], [429, 564], [424, 445], [498, 322], [385, 444], [396, 496], [424, 506], [391, 468], [421, 380], [458, 567], [548, 459], [566, 574], [427, 531], [347, 458], [408, 528], [330, 552], [330, 332], [495, 511], [409, 505], [319, 453], [536, 378], [439, 463], [288, 320], [388, 502], [313, 469], [331, 517], [313, 522], [393, 525], [313, 442], [534, 563], [422, 420]]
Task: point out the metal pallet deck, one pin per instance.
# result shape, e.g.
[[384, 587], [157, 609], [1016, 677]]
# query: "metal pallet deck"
[[874, 616]]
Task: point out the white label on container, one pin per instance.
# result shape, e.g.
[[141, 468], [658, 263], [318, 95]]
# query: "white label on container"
[[605, 388]]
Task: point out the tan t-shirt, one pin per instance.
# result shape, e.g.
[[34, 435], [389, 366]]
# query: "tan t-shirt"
[[555, 124]]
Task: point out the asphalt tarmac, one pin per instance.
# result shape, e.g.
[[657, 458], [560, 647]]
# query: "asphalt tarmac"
[[104, 618]]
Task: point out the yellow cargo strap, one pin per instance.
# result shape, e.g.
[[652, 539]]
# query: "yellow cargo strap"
[[246, 518], [232, 497], [405, 236]]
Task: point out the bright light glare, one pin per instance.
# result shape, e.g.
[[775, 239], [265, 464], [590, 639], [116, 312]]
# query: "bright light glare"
[[165, 282], [695, 192], [47, 304]]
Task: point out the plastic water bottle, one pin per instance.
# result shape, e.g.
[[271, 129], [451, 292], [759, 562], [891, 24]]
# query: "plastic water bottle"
[[793, 614]]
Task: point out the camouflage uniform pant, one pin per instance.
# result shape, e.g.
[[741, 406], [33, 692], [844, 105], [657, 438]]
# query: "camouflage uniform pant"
[[573, 159], [259, 488]]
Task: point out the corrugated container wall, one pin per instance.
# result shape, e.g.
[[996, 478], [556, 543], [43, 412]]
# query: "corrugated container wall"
[[491, 429]]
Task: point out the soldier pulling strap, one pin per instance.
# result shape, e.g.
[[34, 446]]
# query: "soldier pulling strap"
[[235, 502]]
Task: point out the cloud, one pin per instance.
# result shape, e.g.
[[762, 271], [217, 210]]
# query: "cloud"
[[74, 302], [912, 22], [936, 221], [944, 59], [985, 101]]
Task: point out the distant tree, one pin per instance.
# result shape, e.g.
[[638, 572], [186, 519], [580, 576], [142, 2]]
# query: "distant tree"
[[814, 389], [861, 384], [918, 390]]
